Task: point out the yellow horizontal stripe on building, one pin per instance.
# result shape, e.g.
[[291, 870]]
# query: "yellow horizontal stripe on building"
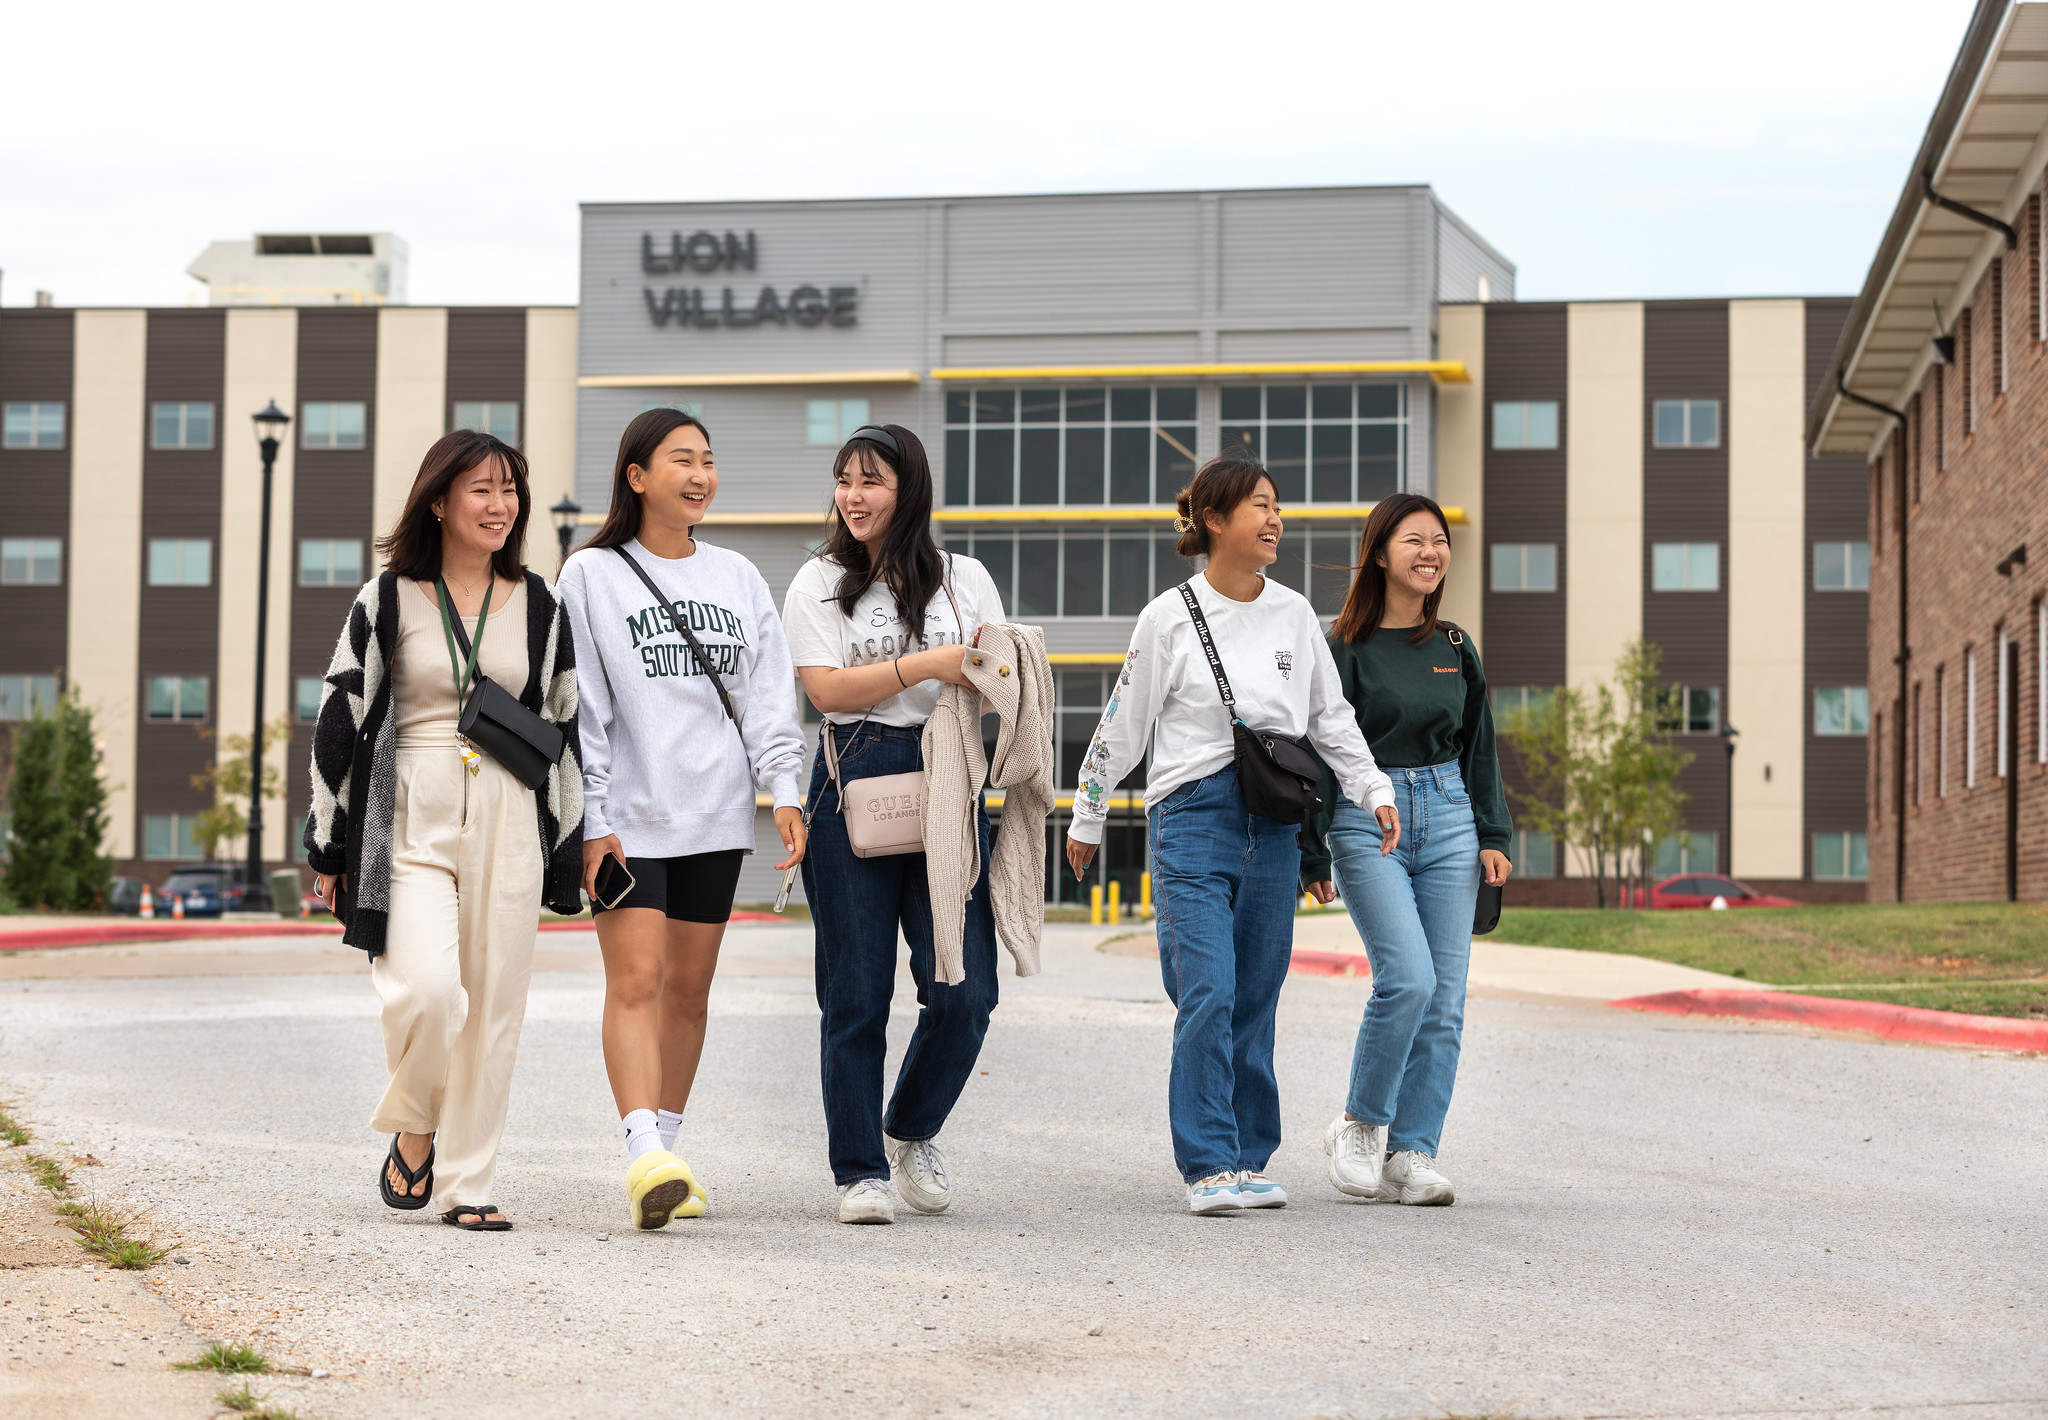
[[1444, 372], [1348, 512], [773, 377]]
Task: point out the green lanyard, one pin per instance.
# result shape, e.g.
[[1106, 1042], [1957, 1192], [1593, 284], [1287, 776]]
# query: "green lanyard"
[[464, 675]]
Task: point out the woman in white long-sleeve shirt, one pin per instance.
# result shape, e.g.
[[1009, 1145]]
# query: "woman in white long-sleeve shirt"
[[689, 708], [1223, 877]]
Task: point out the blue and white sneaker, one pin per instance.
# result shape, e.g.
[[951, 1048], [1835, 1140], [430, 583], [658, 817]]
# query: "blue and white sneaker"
[[1215, 1194], [1255, 1190]]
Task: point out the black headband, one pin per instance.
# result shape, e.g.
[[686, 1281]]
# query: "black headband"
[[873, 434]]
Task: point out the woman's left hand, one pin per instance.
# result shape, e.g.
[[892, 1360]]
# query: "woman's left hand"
[[1324, 892], [1495, 866], [789, 822]]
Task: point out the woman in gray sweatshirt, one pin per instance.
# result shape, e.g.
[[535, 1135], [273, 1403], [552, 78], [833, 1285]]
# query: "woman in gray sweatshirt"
[[689, 710]]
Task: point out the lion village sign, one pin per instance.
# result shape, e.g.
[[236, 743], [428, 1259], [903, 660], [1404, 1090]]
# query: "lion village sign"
[[704, 253]]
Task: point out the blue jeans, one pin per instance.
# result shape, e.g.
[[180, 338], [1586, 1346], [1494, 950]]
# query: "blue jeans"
[[1414, 910], [1223, 880], [857, 906]]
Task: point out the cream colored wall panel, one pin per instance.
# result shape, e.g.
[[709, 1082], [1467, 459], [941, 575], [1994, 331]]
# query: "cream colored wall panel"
[[1767, 583], [1460, 462], [550, 446], [412, 404], [104, 591], [261, 366], [1603, 493]]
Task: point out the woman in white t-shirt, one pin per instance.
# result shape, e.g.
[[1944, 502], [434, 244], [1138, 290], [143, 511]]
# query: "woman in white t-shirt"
[[877, 623]]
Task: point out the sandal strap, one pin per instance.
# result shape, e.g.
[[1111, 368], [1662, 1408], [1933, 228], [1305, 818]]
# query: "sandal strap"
[[408, 1172]]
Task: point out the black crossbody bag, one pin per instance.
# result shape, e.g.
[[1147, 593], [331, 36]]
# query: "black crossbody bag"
[[682, 624], [1279, 779], [493, 719]]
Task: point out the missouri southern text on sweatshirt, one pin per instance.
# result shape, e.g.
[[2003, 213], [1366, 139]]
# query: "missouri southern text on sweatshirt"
[[663, 766]]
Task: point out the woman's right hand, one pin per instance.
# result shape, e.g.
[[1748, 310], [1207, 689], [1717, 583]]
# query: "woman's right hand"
[[1324, 892], [1079, 856], [329, 890], [944, 664], [594, 850]]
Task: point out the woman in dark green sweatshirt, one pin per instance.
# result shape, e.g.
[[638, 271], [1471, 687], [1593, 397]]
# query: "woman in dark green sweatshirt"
[[1420, 695]]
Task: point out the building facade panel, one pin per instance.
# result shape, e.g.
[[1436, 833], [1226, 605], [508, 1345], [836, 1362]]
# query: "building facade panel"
[[35, 483], [1685, 490], [1122, 255], [1526, 362], [1362, 250]]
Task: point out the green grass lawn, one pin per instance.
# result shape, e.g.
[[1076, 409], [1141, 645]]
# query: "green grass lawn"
[[1985, 958]]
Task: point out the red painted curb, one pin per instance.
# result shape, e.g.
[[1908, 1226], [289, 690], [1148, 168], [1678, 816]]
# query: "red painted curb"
[[1904, 1023], [1331, 963]]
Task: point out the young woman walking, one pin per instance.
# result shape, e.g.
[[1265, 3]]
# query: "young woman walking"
[[1223, 877], [436, 854], [1420, 695], [688, 708], [878, 624]]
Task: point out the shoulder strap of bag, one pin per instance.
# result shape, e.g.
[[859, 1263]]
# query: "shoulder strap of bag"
[[682, 624], [1187, 594], [451, 626]]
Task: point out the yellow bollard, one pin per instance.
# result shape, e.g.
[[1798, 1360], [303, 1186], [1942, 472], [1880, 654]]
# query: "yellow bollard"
[[1145, 895], [1116, 900], [1095, 904]]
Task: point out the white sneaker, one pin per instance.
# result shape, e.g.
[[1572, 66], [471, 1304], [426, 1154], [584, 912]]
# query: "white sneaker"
[[1255, 1190], [919, 1170], [1358, 1152], [867, 1200], [1215, 1194], [1411, 1176]]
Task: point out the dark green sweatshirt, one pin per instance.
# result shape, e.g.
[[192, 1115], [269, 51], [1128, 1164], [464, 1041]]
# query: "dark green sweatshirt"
[[1417, 706]]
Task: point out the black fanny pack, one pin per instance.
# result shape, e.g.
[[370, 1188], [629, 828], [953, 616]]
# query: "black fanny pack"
[[1278, 777], [493, 719]]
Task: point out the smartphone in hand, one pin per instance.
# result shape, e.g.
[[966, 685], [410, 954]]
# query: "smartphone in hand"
[[614, 882]]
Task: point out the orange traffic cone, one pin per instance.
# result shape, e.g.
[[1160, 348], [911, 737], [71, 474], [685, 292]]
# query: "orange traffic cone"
[[178, 907], [148, 908]]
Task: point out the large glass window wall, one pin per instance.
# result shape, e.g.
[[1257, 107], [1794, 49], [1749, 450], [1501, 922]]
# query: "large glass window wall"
[[1322, 443], [1086, 445]]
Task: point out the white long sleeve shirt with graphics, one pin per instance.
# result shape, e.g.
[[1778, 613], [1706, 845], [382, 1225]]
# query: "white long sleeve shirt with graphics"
[[1281, 675], [663, 766]]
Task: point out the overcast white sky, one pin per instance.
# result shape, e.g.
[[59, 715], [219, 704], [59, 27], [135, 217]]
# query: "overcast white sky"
[[1752, 147]]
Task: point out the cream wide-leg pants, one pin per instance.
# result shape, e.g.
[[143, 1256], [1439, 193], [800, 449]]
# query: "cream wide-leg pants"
[[466, 873]]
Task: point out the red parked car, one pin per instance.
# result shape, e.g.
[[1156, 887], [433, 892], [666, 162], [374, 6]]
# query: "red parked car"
[[1700, 890]]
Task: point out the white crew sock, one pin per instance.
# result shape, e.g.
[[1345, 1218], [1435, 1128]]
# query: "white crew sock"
[[643, 1134], [670, 1123]]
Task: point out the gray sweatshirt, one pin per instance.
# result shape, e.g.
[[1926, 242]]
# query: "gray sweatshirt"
[[663, 767]]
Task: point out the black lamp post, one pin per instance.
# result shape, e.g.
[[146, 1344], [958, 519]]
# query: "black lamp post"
[[1728, 734], [270, 426], [566, 513]]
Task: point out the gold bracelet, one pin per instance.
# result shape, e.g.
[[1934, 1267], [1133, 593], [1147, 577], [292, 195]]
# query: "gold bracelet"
[[898, 664]]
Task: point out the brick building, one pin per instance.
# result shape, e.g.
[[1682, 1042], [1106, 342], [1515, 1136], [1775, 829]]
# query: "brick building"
[[1940, 383]]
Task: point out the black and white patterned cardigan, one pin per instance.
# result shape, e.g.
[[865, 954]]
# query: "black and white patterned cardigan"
[[355, 758]]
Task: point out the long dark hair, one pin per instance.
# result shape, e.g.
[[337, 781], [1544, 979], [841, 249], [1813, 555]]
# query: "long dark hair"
[[413, 546], [637, 445], [1218, 487], [908, 560], [1368, 600]]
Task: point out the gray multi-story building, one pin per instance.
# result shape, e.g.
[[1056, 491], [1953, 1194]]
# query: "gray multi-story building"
[[1068, 361]]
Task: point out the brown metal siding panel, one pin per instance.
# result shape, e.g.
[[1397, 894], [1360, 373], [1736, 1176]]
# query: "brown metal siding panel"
[[1685, 491], [36, 358], [1837, 623], [1524, 493], [487, 358]]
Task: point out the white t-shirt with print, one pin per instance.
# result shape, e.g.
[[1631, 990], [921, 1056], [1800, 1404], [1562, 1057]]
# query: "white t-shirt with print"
[[820, 634]]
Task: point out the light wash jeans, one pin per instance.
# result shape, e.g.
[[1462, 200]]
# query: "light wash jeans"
[[1414, 910], [1223, 882]]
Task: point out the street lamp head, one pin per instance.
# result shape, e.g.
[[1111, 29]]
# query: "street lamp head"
[[566, 513], [270, 422]]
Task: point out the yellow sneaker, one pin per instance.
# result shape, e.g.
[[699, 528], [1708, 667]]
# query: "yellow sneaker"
[[660, 1186]]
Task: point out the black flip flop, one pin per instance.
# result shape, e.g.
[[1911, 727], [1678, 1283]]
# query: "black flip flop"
[[412, 1176], [453, 1218]]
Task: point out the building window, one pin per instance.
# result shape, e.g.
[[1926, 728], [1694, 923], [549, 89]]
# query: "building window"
[[1998, 324], [1533, 854], [1686, 852], [1689, 710], [177, 697], [1841, 710], [24, 696], [498, 417], [34, 426], [2003, 689], [332, 426], [2041, 682], [1686, 423], [832, 421], [306, 697], [180, 562], [1513, 699], [1940, 418], [1970, 718], [181, 426], [168, 837], [1919, 749], [325, 562], [1685, 567], [1941, 732], [1841, 857], [1086, 446], [1967, 375], [31, 561], [1079, 572], [1525, 567], [1841, 566], [1528, 425], [1321, 443]]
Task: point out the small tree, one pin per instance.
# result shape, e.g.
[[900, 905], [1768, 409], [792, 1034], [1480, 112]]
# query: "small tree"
[[57, 804], [227, 780], [82, 797]]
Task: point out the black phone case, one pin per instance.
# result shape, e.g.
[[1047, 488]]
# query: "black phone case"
[[1486, 911]]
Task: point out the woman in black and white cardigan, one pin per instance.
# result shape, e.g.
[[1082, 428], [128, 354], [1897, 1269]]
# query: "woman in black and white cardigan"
[[436, 857]]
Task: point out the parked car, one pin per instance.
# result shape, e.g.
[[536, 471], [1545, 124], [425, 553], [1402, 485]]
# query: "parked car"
[[1700, 890], [209, 889], [125, 896]]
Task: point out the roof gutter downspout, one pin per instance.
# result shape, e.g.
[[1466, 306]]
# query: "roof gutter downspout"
[[1982, 219]]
